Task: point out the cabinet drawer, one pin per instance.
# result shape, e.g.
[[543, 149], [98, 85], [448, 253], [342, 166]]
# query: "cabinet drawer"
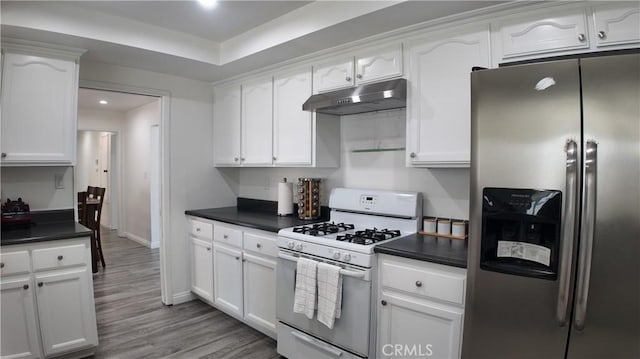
[[260, 244], [59, 257], [201, 229], [228, 235], [14, 263], [424, 281]]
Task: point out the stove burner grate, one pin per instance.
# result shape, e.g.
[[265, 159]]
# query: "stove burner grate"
[[322, 229], [369, 236]]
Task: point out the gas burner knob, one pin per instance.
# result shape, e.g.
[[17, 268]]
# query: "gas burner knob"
[[336, 255], [290, 244], [298, 246], [346, 257]]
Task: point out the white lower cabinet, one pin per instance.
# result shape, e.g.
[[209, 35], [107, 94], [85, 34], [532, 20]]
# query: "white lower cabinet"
[[48, 308], [19, 333], [227, 278], [66, 310], [202, 268], [420, 309], [234, 269]]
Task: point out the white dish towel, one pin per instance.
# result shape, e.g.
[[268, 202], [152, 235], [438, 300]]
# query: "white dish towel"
[[305, 293], [329, 294]]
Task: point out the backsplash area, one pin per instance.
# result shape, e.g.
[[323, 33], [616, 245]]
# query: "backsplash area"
[[37, 186], [445, 191]]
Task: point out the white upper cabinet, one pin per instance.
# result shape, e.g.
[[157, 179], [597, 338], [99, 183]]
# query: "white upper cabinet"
[[333, 75], [371, 65], [39, 105], [438, 101], [226, 125], [551, 30], [292, 127], [379, 64], [257, 122], [616, 23]]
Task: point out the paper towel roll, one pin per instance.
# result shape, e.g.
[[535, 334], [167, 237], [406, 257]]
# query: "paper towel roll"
[[285, 198]]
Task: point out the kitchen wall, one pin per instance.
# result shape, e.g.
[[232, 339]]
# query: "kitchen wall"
[[193, 181], [37, 186], [137, 144], [445, 191]]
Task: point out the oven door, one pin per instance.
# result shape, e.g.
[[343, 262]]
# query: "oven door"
[[351, 330]]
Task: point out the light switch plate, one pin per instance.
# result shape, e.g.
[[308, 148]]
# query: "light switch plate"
[[59, 180]]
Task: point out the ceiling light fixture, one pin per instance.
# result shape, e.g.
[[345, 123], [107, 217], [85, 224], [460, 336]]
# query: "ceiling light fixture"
[[208, 4], [103, 102]]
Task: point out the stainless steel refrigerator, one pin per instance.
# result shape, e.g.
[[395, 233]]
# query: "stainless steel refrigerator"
[[554, 248]]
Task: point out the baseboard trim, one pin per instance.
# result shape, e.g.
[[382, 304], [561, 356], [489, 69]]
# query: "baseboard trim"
[[183, 297], [138, 239]]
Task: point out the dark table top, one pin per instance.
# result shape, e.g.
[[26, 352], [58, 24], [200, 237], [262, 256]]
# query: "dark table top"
[[46, 231], [427, 248], [258, 219]]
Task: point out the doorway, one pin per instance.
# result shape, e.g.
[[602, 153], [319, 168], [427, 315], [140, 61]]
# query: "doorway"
[[115, 151]]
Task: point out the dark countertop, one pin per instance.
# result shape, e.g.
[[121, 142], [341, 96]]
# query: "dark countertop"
[[41, 230], [426, 248], [256, 214]]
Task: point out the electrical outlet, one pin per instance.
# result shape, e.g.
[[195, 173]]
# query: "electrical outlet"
[[59, 180]]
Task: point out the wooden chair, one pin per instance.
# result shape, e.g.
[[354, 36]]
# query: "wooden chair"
[[97, 193], [82, 205]]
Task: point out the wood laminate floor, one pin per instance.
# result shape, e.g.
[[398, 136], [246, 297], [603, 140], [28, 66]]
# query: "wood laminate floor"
[[133, 322]]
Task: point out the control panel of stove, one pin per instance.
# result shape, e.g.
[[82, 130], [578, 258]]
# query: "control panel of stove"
[[368, 200]]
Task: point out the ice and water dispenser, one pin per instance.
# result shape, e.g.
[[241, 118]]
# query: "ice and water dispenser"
[[521, 231]]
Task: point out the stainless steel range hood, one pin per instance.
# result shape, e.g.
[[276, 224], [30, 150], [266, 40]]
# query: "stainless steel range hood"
[[366, 98]]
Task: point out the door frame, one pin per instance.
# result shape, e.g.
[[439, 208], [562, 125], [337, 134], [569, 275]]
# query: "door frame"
[[166, 282]]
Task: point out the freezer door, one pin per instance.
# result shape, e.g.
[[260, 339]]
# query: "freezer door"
[[607, 299], [522, 119]]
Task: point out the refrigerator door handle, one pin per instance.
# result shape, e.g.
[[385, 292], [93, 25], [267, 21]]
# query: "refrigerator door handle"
[[568, 231], [587, 233]]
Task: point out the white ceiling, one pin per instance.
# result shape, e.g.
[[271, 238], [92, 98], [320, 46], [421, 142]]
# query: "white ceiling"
[[226, 20], [181, 38], [117, 101]]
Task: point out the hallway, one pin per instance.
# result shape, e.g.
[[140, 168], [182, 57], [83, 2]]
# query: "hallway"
[[133, 322]]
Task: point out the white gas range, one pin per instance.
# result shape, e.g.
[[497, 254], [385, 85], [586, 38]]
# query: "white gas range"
[[359, 219]]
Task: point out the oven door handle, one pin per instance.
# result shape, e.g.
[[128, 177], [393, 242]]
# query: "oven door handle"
[[344, 272], [317, 344]]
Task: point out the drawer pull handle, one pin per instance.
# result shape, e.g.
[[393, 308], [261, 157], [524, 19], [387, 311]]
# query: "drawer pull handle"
[[25, 287], [1, 265], [237, 258], [258, 245], [359, 76], [197, 229], [601, 34], [348, 78], [225, 236], [208, 248], [60, 258], [383, 302], [418, 284], [581, 37], [40, 284], [4, 155]]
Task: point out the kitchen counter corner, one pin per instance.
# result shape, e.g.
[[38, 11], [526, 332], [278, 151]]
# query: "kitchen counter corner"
[[426, 248]]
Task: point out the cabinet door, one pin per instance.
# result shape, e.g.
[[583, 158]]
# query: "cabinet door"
[[543, 32], [413, 328], [292, 130], [617, 23], [257, 122], [66, 310], [226, 125], [333, 75], [382, 64], [438, 101], [227, 278], [19, 332], [260, 291], [39, 100], [202, 268]]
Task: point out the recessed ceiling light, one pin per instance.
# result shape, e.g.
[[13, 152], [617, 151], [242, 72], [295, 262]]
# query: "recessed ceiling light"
[[103, 102], [208, 4]]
